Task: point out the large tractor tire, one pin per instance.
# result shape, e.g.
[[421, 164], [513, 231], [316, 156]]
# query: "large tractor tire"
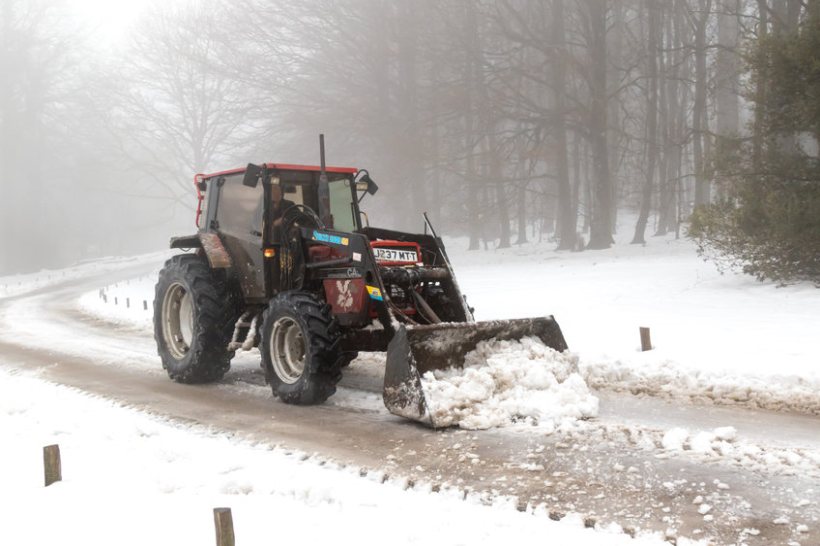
[[300, 348], [193, 320]]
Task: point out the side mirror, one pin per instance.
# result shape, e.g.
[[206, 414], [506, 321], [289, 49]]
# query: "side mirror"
[[366, 184], [252, 175]]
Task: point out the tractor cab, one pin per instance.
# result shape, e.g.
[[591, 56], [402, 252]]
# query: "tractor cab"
[[241, 211]]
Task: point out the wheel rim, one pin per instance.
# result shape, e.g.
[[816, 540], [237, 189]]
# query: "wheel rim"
[[287, 350], [178, 320]]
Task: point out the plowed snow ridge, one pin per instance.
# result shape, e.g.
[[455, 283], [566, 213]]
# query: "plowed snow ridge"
[[503, 382]]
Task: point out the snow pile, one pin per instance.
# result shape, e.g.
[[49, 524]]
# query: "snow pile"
[[665, 378], [723, 443], [504, 382]]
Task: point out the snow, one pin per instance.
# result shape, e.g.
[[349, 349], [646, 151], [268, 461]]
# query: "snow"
[[718, 339], [503, 382], [674, 439], [128, 303], [129, 478], [13, 285]]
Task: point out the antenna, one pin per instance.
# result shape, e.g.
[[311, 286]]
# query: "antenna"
[[322, 153]]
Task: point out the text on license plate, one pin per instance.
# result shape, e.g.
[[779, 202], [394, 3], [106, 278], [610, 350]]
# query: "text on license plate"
[[395, 255]]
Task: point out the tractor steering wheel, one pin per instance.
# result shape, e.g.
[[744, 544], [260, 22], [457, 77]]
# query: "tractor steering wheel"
[[300, 213]]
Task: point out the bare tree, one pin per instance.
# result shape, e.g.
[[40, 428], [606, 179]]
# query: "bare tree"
[[177, 113]]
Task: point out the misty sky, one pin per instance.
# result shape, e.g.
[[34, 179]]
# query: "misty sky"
[[110, 19]]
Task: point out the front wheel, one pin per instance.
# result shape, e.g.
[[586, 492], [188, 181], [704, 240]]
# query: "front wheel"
[[300, 348]]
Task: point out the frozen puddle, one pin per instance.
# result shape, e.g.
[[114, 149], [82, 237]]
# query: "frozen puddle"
[[505, 382]]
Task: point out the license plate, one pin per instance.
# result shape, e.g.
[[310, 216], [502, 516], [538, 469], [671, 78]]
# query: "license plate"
[[395, 255]]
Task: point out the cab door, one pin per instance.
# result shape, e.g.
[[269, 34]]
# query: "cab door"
[[239, 223]]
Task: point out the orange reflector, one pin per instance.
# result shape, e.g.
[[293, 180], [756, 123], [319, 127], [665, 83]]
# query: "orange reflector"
[[270, 252]]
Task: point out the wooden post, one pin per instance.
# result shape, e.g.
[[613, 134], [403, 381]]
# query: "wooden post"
[[145, 305], [223, 521], [646, 341], [51, 463]]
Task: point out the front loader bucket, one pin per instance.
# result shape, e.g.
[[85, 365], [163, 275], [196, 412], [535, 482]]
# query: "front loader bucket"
[[416, 350]]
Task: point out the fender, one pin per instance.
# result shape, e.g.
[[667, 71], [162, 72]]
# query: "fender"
[[218, 257]]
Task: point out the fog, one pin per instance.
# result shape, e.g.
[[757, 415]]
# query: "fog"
[[508, 121]]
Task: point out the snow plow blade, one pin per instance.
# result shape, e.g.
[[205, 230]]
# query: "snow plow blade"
[[416, 350]]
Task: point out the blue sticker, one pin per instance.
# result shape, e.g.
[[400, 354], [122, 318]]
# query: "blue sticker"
[[327, 238]]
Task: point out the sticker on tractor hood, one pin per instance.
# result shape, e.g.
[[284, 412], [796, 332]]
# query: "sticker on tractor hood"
[[375, 293], [328, 238]]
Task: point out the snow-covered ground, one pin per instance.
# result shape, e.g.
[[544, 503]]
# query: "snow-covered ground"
[[12, 285], [129, 303], [717, 338], [129, 478]]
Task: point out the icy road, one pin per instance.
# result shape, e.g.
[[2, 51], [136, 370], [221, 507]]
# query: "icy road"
[[724, 474]]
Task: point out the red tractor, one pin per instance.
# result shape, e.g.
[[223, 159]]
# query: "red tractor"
[[311, 289]]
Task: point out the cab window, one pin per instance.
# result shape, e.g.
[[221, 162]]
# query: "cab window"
[[341, 199]]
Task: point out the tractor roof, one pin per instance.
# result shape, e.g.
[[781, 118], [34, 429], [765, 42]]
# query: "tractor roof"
[[287, 167]]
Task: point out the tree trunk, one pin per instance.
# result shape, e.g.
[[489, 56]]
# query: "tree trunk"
[[651, 120], [567, 216], [617, 32], [475, 227], [760, 89], [522, 214], [727, 69], [600, 236], [700, 125], [497, 180], [576, 175]]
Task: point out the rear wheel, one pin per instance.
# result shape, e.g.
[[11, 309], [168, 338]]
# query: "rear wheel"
[[300, 348], [193, 320]]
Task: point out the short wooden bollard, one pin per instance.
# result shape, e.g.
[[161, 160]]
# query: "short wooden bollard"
[[51, 464], [646, 341], [223, 521]]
